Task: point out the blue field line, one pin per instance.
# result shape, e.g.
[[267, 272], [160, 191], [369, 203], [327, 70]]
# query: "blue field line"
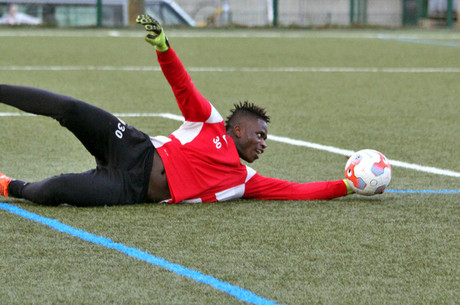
[[422, 41], [237, 292], [424, 191]]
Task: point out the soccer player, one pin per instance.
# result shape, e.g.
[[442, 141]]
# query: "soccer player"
[[199, 162]]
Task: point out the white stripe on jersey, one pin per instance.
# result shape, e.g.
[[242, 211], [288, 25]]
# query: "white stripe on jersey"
[[231, 193], [251, 173], [159, 141], [188, 131], [215, 116], [235, 192], [198, 200]]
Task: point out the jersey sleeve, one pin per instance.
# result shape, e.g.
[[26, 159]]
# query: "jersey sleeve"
[[193, 105], [264, 188]]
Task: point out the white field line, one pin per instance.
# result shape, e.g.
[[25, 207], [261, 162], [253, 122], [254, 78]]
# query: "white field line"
[[8, 114], [345, 152], [241, 69], [272, 34], [332, 149]]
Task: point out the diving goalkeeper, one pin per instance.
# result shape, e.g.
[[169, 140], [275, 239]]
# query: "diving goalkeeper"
[[199, 162]]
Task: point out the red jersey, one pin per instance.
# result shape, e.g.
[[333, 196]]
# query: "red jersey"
[[201, 161]]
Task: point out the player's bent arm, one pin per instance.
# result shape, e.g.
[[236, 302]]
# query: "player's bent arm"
[[193, 105], [265, 188]]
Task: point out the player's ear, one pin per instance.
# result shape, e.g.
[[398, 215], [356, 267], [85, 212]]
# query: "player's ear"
[[237, 130]]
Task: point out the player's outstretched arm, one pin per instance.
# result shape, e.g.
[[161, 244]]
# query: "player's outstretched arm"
[[267, 188], [193, 105], [155, 33]]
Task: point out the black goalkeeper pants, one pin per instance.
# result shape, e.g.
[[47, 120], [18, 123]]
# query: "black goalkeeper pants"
[[124, 155]]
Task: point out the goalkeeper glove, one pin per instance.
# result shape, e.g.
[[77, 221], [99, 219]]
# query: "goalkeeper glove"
[[155, 34], [349, 189]]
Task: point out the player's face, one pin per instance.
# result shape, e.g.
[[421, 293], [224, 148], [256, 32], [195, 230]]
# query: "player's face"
[[250, 141]]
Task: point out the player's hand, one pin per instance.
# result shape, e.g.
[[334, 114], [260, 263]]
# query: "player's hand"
[[349, 189], [155, 33]]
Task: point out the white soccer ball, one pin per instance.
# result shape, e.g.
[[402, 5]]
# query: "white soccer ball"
[[368, 172]]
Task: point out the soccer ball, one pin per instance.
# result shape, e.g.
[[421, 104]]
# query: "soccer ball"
[[368, 172]]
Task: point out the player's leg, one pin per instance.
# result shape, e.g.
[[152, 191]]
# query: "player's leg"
[[116, 146], [92, 188], [91, 125]]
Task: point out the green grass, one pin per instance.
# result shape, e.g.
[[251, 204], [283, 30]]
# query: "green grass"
[[389, 249]]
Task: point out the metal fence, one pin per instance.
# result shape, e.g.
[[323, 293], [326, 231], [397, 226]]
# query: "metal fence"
[[302, 13]]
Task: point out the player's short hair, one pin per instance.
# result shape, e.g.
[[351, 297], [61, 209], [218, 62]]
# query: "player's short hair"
[[245, 109]]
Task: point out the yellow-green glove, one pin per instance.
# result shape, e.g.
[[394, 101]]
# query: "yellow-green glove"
[[349, 189], [155, 34]]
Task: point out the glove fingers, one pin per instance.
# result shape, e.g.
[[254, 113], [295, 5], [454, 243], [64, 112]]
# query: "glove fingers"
[[153, 28], [155, 35], [143, 19], [146, 19], [150, 24]]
